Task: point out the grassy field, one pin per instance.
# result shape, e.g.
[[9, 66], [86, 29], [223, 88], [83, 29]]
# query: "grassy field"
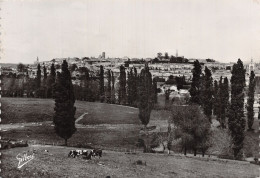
[[106, 125], [20, 110], [110, 127], [113, 125], [55, 163]]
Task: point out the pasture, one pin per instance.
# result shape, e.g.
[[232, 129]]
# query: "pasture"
[[56, 163], [111, 127], [20, 110]]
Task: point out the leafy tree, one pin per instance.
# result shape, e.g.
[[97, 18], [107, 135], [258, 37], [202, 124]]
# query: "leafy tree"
[[21, 67], [166, 56], [167, 94], [122, 86], [180, 82], [64, 116], [146, 96], [236, 121], [57, 66], [101, 84], [195, 89], [250, 101], [192, 127], [207, 93], [159, 55], [73, 67], [169, 137]]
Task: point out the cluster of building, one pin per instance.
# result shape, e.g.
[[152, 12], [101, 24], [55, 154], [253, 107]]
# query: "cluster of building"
[[163, 68]]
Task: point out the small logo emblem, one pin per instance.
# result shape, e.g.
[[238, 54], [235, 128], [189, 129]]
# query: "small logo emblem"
[[24, 159]]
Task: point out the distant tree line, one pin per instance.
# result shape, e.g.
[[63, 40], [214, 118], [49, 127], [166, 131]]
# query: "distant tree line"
[[122, 90]]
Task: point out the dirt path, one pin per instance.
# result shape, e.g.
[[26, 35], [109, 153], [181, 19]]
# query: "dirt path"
[[6, 127], [80, 117]]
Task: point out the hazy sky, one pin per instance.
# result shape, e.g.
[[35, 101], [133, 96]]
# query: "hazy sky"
[[224, 30]]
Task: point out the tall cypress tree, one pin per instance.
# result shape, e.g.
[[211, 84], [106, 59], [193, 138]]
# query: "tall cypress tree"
[[215, 100], [86, 87], [122, 86], [207, 94], [113, 97], [195, 90], [130, 85], [101, 84], [44, 73], [109, 86], [224, 102], [38, 77], [146, 97], [219, 99], [226, 91], [155, 89], [45, 81], [51, 81], [250, 101], [236, 121], [135, 87], [64, 116]]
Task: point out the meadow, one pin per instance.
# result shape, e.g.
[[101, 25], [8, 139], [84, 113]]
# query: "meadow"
[[114, 128], [56, 163]]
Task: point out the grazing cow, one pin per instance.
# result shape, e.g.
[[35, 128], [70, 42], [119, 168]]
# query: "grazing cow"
[[89, 155], [74, 153], [97, 152], [85, 152]]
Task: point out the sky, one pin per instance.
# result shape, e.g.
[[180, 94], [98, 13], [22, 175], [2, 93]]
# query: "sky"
[[217, 29]]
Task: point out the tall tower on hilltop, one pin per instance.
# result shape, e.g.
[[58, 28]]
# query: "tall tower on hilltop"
[[37, 61], [103, 55], [177, 53], [251, 66]]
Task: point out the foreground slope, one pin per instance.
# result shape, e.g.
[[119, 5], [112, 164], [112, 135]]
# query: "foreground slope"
[[55, 163]]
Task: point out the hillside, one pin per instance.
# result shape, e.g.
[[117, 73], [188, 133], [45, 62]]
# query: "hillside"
[[101, 124], [56, 163], [19, 110]]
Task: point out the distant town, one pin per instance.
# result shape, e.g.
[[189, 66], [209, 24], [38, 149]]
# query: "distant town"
[[162, 66]]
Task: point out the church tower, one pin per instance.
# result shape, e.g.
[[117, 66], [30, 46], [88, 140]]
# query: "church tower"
[[251, 66], [37, 61]]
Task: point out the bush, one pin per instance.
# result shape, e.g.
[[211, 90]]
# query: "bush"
[[7, 144], [140, 143], [140, 162]]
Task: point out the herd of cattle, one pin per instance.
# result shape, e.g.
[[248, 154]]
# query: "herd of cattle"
[[88, 154]]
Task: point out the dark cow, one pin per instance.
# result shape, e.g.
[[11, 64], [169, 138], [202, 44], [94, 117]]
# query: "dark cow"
[[97, 152], [88, 156]]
